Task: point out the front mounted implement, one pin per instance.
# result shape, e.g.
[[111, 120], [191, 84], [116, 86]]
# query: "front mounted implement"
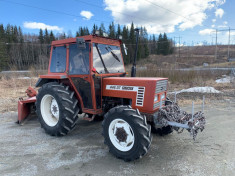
[[26, 106]]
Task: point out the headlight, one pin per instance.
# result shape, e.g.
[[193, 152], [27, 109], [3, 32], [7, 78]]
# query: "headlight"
[[163, 96], [155, 98]]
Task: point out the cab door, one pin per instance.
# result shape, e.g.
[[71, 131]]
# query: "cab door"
[[79, 73]]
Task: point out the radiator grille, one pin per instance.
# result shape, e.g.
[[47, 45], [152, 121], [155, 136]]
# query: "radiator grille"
[[161, 86], [158, 104], [140, 96]]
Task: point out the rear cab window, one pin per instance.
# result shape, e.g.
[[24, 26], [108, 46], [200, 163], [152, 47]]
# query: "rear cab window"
[[58, 60]]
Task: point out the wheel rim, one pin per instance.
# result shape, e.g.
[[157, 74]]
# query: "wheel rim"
[[121, 135], [50, 110]]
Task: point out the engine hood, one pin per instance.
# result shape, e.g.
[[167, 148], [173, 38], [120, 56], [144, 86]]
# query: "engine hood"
[[140, 90]]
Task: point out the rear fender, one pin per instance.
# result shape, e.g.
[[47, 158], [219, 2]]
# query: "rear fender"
[[42, 81]]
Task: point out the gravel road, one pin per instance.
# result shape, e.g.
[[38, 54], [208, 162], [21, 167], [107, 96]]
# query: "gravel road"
[[26, 150]]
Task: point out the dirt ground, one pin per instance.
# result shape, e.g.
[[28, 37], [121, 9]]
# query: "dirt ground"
[[26, 150]]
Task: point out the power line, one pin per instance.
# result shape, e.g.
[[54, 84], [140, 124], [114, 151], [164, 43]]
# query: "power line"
[[126, 14], [171, 11], [54, 11], [90, 4]]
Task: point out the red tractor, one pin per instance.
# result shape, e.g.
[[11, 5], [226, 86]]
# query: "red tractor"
[[87, 75]]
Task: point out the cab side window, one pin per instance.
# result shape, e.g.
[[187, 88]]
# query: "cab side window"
[[78, 60], [58, 60]]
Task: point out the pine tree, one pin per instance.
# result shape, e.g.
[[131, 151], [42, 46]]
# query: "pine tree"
[[159, 44], [165, 45], [102, 29], [3, 49], [14, 34], [52, 37], [77, 34], [153, 48], [132, 34], [8, 34], [20, 35], [119, 32], [41, 37], [112, 30], [94, 29], [46, 37], [125, 39], [86, 30]]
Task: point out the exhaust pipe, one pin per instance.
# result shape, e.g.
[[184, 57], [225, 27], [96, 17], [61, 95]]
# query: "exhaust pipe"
[[133, 69]]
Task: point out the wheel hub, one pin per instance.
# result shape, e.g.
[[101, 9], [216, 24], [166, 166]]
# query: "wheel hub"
[[50, 110], [121, 134], [54, 108]]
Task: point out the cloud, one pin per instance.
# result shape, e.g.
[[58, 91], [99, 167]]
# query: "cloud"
[[86, 14], [212, 25], [219, 13], [225, 22], [206, 31], [231, 33], [213, 20], [187, 14], [36, 25]]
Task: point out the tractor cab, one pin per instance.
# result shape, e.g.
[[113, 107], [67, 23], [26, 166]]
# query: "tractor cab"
[[82, 63]]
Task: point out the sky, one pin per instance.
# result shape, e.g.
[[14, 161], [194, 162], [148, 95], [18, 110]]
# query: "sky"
[[191, 22]]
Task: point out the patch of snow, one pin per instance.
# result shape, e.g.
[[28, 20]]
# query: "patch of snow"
[[226, 79], [24, 77], [200, 90]]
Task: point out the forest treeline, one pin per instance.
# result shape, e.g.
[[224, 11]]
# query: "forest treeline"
[[22, 51]]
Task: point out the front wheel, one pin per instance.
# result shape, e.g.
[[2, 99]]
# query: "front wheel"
[[126, 133]]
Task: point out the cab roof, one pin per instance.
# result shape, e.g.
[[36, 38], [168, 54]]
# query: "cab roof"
[[89, 38]]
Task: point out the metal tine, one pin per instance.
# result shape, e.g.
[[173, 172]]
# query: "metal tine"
[[192, 110], [203, 103], [175, 96]]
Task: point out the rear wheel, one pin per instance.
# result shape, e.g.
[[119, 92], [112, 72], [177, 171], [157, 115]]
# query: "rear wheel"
[[57, 109], [126, 133], [162, 131]]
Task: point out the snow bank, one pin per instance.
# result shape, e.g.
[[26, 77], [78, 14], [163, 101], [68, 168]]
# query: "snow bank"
[[24, 78], [226, 79], [200, 90]]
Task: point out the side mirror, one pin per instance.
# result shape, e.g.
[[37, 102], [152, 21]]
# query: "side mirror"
[[81, 43], [125, 49]]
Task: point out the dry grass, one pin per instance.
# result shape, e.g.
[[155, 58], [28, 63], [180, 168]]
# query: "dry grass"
[[11, 88], [10, 91], [182, 77], [224, 64]]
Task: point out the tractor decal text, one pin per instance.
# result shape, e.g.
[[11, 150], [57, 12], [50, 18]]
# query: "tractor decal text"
[[140, 92]]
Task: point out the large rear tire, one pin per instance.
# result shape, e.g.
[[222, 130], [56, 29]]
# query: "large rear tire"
[[162, 131], [126, 133], [57, 109]]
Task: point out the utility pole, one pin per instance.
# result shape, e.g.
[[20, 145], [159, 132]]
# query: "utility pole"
[[178, 43], [228, 41], [179, 46], [229, 33], [216, 44]]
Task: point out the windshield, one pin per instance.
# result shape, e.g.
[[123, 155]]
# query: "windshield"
[[111, 56]]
